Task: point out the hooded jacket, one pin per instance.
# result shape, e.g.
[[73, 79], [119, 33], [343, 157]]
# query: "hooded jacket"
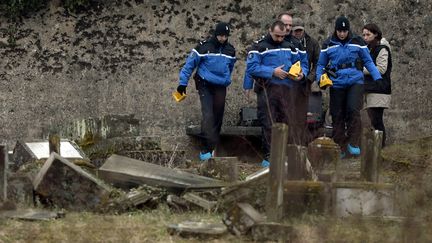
[[341, 57], [266, 55], [214, 62]]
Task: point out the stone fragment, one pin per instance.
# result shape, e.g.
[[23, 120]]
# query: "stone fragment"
[[197, 229], [241, 218]]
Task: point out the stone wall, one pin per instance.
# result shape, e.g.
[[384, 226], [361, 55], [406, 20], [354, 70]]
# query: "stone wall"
[[123, 57]]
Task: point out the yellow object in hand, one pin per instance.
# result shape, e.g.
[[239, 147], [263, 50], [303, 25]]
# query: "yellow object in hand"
[[177, 96], [295, 70], [325, 81]]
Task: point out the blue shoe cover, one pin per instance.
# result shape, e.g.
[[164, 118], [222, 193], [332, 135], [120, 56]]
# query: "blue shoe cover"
[[353, 150], [205, 156], [265, 163]]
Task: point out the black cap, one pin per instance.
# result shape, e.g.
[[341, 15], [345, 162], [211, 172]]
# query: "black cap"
[[342, 23], [222, 29]]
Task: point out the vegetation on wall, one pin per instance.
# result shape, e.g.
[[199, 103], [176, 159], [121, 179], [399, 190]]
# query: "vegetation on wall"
[[13, 9]]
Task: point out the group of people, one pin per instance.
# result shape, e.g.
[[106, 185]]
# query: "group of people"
[[359, 66]]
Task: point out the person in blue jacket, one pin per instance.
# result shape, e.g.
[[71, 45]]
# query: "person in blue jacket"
[[268, 63], [345, 54], [214, 61]]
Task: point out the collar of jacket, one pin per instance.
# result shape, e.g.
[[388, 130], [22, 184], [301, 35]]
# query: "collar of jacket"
[[270, 40], [216, 43], [336, 39]]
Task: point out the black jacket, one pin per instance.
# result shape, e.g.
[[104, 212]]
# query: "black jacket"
[[383, 87]]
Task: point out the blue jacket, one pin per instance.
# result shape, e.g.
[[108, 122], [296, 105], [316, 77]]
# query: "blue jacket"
[[342, 57], [266, 55], [215, 62]]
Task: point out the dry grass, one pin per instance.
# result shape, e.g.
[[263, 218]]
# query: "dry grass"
[[147, 226]]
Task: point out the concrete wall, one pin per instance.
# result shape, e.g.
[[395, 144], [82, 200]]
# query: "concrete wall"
[[123, 57]]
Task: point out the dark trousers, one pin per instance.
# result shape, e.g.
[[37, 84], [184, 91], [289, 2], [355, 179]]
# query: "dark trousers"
[[376, 117], [212, 99], [345, 105], [281, 104]]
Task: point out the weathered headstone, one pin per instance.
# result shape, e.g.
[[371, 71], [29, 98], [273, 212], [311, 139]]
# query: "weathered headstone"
[[3, 171], [20, 189], [324, 155], [66, 185], [241, 218], [54, 143], [296, 157], [127, 173], [366, 199], [277, 174], [371, 154]]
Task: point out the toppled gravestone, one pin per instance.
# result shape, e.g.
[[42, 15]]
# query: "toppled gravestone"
[[37, 151], [126, 173], [31, 214], [65, 185], [197, 229]]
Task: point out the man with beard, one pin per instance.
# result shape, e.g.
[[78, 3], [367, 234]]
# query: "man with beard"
[[269, 62], [214, 60]]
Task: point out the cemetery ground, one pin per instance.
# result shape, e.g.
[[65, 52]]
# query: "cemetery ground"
[[407, 165]]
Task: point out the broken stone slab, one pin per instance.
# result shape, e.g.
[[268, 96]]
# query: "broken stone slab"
[[271, 231], [4, 165], [241, 218], [31, 214], [127, 173], [177, 203], [20, 189], [224, 168], [30, 152], [252, 190], [199, 201], [363, 198], [65, 185], [258, 174], [197, 229]]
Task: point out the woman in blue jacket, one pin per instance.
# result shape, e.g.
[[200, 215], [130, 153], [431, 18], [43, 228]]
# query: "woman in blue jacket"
[[345, 54]]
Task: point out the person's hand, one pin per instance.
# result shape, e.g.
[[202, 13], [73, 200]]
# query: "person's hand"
[[299, 77], [181, 89], [280, 73]]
